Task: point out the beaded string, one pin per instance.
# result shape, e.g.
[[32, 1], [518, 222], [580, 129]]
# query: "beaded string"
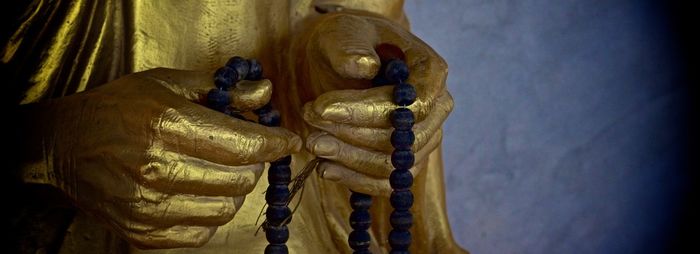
[[360, 220], [402, 157], [392, 71], [277, 195]]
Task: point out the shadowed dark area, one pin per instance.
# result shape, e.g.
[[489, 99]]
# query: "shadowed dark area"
[[571, 130]]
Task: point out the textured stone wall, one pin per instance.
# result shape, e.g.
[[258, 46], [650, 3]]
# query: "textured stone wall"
[[565, 135]]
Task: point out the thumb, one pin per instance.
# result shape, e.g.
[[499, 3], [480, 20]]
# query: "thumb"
[[194, 86], [347, 42]]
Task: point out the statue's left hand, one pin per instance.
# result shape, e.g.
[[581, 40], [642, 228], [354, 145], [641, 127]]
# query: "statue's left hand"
[[354, 123]]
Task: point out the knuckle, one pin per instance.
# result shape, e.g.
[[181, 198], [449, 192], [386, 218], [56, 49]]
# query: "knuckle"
[[422, 138], [248, 185], [256, 144], [138, 240], [437, 63], [449, 102], [244, 181], [228, 209], [191, 237], [201, 235], [141, 210], [151, 171]]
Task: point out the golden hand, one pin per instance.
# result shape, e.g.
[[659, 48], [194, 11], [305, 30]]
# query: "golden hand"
[[161, 170], [354, 119]]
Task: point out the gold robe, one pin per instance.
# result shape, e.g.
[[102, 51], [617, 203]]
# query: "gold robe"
[[63, 47]]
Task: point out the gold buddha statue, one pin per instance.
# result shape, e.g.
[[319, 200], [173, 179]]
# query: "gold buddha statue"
[[109, 91]]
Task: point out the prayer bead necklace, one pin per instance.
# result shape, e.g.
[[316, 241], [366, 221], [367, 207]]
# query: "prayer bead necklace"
[[278, 195], [402, 157], [393, 71], [279, 175]]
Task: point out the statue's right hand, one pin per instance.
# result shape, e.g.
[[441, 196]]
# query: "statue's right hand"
[[163, 171]]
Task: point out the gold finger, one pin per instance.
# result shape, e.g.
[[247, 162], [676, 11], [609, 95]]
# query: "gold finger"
[[355, 181], [249, 95], [367, 108], [171, 172], [178, 209], [347, 42], [368, 162], [212, 136], [379, 138], [178, 236]]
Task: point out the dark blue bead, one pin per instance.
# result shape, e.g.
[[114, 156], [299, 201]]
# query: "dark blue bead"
[[366, 251], [286, 160], [404, 94], [256, 71], [279, 174], [277, 194], [401, 219], [277, 214], [217, 99], [225, 78], [263, 110], [399, 239], [276, 249], [359, 240], [399, 252], [402, 159], [360, 201], [380, 80], [401, 179], [360, 220], [239, 64], [272, 118], [396, 71], [402, 140], [402, 119], [276, 234], [401, 199]]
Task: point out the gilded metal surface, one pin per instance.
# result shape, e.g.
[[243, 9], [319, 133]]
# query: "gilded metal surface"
[[140, 155]]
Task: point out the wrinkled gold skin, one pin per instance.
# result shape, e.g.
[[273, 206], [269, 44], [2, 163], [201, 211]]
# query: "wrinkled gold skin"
[[122, 133]]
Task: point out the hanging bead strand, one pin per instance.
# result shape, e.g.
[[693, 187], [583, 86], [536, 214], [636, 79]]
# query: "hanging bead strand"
[[402, 158], [277, 195], [279, 176], [360, 221]]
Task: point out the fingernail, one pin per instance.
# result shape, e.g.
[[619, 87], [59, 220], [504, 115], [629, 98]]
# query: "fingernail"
[[338, 114], [311, 140], [325, 146], [296, 143], [238, 201], [361, 66], [331, 174]]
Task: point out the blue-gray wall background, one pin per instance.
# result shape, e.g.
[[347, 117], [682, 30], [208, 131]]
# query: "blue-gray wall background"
[[566, 135]]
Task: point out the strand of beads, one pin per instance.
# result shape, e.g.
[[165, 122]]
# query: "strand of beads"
[[277, 195], [402, 158], [360, 218], [360, 221]]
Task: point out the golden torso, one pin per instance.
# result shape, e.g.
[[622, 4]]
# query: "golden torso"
[[202, 35], [198, 35]]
